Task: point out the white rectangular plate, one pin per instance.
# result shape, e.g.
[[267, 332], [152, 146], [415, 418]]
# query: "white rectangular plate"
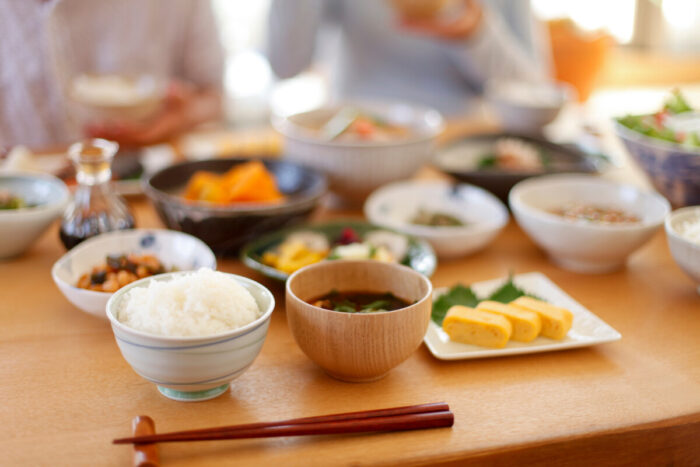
[[587, 328]]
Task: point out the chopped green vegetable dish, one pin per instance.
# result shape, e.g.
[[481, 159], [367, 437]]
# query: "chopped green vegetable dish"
[[10, 201], [656, 125]]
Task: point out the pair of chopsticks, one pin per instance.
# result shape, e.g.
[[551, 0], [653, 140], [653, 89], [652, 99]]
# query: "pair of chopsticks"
[[412, 417]]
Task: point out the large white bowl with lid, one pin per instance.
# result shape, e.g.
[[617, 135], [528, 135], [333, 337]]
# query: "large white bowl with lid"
[[584, 246]]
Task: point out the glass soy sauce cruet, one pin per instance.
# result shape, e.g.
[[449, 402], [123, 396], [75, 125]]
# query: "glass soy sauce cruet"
[[96, 208]]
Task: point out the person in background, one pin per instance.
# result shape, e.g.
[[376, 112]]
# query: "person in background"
[[46, 43], [397, 49]]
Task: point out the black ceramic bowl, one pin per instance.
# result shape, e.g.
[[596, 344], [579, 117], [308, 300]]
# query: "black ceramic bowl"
[[461, 160], [226, 228]]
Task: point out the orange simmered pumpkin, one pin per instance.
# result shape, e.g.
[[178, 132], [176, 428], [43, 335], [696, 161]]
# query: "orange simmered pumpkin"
[[248, 182]]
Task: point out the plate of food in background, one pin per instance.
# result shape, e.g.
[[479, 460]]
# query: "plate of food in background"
[[361, 146], [279, 254], [102, 97], [456, 219], [128, 166], [498, 161]]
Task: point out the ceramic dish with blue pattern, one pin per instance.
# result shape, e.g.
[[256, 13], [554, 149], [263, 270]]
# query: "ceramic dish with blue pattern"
[[672, 168], [192, 368], [175, 250]]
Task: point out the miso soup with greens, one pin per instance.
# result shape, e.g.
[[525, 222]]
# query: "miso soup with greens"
[[359, 301]]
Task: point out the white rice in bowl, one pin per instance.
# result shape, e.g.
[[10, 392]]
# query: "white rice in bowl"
[[690, 230], [200, 303]]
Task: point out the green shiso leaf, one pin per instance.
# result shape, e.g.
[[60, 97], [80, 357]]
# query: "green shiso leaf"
[[507, 293], [457, 295]]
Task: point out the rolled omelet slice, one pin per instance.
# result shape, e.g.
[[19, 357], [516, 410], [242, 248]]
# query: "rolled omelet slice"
[[556, 321], [526, 324], [477, 327]]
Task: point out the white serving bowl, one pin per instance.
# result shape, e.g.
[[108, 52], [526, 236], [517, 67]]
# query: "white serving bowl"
[[19, 228], [116, 97], [583, 246], [394, 206], [174, 249], [355, 169], [685, 252], [527, 107], [192, 368]]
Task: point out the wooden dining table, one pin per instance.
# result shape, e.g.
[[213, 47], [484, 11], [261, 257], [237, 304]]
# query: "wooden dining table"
[[66, 391]]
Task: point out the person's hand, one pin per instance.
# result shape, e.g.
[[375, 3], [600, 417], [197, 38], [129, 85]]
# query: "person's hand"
[[182, 108], [462, 26]]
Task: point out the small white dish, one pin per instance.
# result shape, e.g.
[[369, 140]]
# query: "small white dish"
[[583, 246], [106, 97], [174, 249], [587, 329], [19, 228], [685, 252], [527, 107], [484, 216], [190, 369]]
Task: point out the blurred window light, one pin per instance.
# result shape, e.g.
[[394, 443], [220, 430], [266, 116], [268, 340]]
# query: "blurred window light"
[[614, 16], [241, 23], [301, 93], [247, 74], [682, 14]]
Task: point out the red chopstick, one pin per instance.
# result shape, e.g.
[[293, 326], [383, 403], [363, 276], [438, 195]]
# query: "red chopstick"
[[414, 417]]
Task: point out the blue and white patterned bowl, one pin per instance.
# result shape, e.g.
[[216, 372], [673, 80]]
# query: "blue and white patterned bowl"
[[674, 170], [176, 250], [192, 368]]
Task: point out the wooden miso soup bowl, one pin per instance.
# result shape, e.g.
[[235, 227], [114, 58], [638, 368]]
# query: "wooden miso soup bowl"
[[358, 347]]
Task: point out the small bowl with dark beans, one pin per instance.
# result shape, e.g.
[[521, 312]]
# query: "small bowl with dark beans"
[[91, 272]]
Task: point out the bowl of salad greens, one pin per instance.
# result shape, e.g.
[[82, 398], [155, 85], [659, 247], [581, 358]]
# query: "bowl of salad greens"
[[666, 145]]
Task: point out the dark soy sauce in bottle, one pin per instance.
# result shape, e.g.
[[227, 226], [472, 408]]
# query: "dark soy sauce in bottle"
[[96, 208]]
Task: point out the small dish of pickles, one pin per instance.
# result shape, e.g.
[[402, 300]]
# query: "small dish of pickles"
[[456, 219]]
